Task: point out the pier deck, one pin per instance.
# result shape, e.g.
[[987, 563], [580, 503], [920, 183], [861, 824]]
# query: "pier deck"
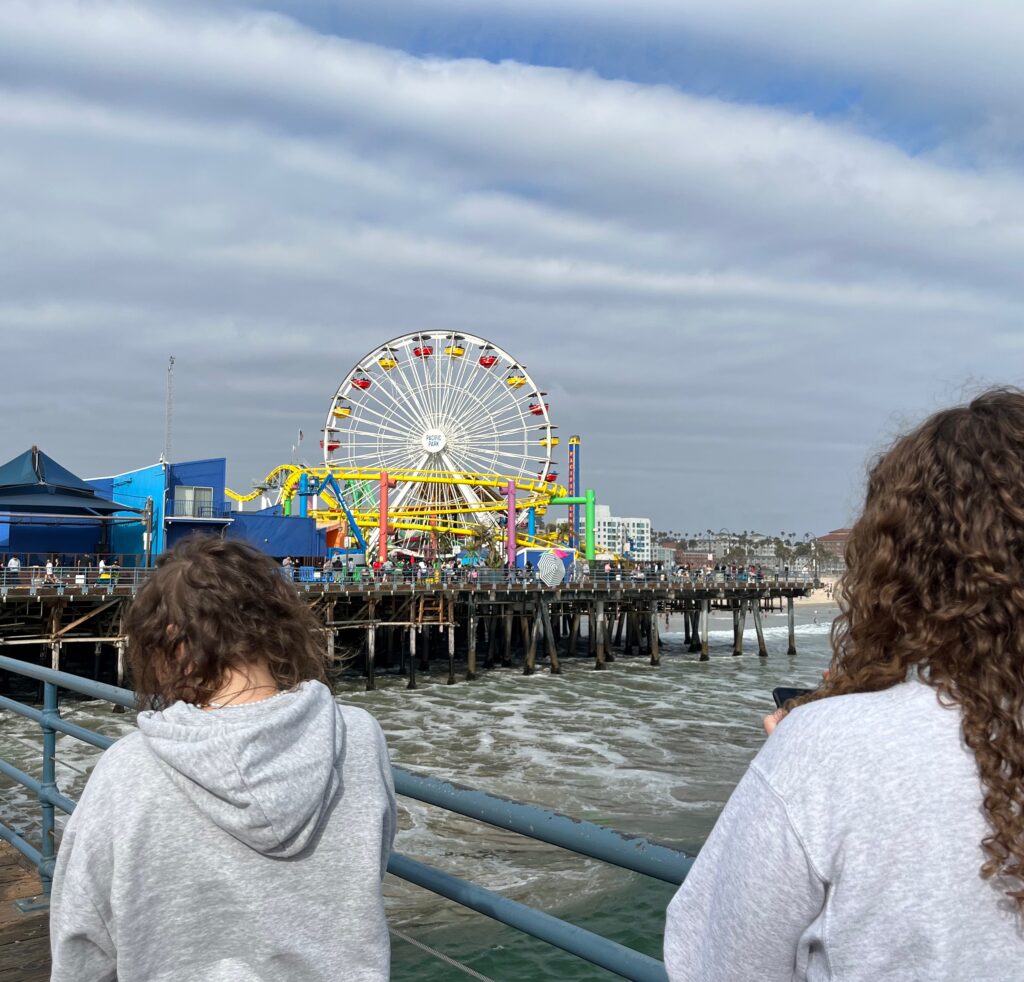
[[393, 623], [24, 938]]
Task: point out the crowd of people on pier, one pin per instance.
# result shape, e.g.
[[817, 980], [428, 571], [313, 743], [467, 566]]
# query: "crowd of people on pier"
[[339, 568], [57, 570]]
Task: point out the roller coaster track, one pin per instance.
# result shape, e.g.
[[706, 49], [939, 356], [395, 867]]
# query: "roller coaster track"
[[440, 519]]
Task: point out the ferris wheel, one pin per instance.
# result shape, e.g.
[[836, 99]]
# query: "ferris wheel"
[[446, 413]]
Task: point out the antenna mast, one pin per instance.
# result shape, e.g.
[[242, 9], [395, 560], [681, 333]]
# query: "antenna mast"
[[168, 406]]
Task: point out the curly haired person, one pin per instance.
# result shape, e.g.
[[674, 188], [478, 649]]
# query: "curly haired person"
[[879, 833], [241, 833]]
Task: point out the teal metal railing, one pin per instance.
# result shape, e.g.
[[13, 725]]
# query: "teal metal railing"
[[585, 838]]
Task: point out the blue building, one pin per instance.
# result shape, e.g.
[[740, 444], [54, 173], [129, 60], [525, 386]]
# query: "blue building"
[[190, 497], [48, 512]]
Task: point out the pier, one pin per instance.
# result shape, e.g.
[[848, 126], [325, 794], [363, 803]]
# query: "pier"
[[407, 625], [24, 934]]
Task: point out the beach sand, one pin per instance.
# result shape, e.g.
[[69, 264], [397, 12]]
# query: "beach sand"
[[820, 597]]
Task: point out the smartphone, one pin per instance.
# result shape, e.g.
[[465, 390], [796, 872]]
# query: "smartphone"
[[784, 693]]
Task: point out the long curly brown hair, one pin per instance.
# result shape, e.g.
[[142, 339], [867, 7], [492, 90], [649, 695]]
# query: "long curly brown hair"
[[935, 586], [214, 605]]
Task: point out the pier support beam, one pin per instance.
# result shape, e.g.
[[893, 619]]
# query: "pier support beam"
[[492, 641], [791, 616], [533, 639], [655, 639], [755, 608], [686, 627], [705, 617], [739, 625], [599, 640], [506, 652], [412, 658], [451, 652], [425, 649], [471, 644], [549, 633], [694, 618], [329, 621], [574, 634], [371, 649]]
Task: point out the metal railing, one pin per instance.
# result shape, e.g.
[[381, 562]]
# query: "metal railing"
[[78, 579], [198, 509], [633, 853], [33, 580]]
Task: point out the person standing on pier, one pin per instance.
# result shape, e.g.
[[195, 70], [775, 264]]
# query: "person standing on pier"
[[242, 832], [879, 833]]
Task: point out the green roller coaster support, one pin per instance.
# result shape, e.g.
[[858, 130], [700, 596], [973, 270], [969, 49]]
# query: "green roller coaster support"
[[589, 501]]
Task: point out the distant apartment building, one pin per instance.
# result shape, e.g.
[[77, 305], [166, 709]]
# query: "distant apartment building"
[[664, 554], [832, 550], [834, 542], [628, 537]]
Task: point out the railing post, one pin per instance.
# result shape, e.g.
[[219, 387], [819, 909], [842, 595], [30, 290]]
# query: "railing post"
[[48, 783]]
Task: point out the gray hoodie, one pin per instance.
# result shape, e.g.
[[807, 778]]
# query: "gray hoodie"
[[850, 851], [243, 843]]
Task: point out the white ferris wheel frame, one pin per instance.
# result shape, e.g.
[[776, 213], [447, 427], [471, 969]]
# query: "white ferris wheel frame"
[[441, 414]]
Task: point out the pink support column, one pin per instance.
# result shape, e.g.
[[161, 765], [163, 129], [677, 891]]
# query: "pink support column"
[[386, 484], [510, 524]]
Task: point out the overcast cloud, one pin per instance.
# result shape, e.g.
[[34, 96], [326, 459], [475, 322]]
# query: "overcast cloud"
[[734, 299]]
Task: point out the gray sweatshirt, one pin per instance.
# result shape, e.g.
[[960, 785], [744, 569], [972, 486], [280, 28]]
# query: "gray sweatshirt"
[[849, 851], [243, 844]]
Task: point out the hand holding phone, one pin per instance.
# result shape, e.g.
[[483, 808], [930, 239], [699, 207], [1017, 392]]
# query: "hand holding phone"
[[784, 693]]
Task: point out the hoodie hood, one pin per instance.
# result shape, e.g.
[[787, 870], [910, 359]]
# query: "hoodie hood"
[[265, 772]]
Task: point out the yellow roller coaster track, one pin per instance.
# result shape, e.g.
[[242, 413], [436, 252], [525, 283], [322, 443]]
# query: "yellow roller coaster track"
[[422, 518]]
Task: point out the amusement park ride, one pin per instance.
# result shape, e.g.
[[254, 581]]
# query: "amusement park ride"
[[435, 441]]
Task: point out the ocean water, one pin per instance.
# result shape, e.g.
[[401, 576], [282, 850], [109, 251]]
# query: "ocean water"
[[650, 751]]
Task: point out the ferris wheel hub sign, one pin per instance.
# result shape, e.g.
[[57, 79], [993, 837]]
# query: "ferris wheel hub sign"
[[434, 441]]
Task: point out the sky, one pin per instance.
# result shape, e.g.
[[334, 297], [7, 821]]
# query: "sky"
[[742, 245]]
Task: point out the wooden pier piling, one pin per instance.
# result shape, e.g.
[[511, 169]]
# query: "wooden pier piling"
[[82, 630], [371, 648], [600, 652], [471, 643], [741, 625], [762, 651], [791, 618], [451, 653], [574, 634], [412, 658], [549, 633], [655, 638], [695, 643], [705, 617]]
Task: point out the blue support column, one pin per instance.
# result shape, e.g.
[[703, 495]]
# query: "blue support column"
[[48, 785]]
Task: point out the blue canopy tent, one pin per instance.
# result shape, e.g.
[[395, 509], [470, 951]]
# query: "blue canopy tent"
[[44, 508]]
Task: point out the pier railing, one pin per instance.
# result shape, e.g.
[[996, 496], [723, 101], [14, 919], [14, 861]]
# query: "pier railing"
[[82, 580], [585, 838]]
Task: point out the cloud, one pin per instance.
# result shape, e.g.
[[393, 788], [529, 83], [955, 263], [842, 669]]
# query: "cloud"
[[269, 202], [935, 75]]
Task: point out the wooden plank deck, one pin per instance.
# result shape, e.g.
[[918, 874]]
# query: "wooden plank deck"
[[24, 938]]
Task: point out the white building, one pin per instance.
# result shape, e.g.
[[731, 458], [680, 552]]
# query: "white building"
[[626, 537]]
